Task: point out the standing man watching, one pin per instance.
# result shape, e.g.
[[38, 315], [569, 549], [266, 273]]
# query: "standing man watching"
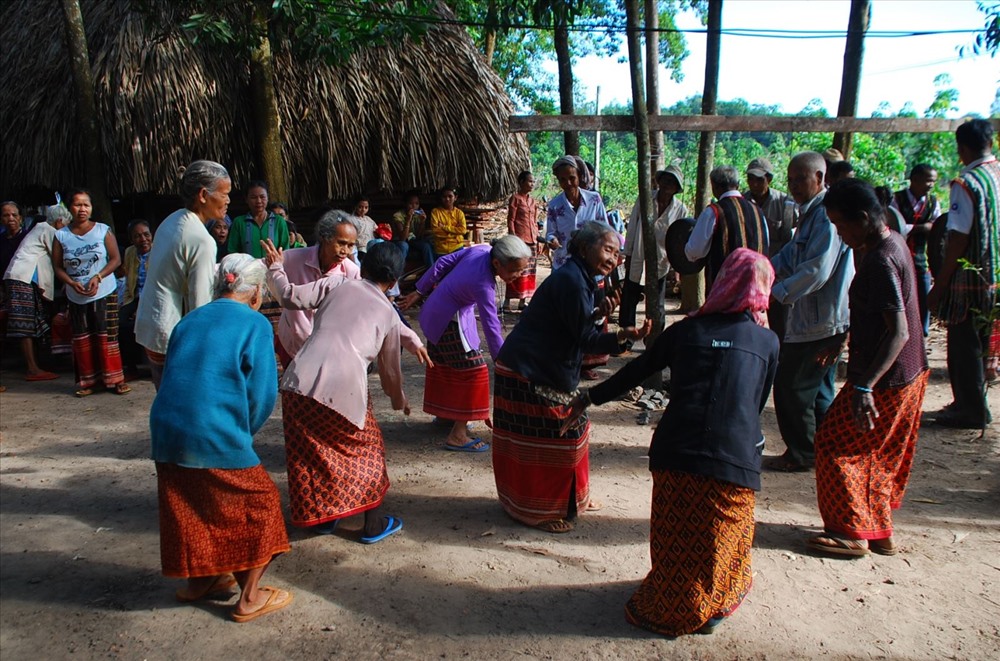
[[729, 223], [919, 208], [813, 273], [963, 298]]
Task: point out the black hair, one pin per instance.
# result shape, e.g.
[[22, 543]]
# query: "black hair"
[[523, 176], [383, 263], [73, 192], [884, 195], [853, 198], [258, 183], [132, 224], [271, 206], [358, 200], [922, 170], [976, 134], [839, 170], [445, 189]]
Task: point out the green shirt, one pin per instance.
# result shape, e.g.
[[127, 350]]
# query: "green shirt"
[[245, 236]]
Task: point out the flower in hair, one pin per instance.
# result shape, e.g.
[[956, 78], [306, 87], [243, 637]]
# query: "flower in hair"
[[230, 278]]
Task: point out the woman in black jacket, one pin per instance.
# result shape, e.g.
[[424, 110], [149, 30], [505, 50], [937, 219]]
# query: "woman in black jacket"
[[706, 451]]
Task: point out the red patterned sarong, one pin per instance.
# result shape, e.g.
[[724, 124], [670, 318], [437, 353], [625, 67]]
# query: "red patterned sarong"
[[95, 342], [215, 521], [523, 286], [458, 386], [861, 476], [334, 468], [701, 531], [540, 475]]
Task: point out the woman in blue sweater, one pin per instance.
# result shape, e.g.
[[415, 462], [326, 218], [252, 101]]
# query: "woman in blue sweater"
[[220, 513], [706, 450]]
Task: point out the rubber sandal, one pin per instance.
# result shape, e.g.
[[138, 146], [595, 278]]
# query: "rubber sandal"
[[710, 626], [274, 602], [121, 389], [556, 526], [853, 548], [883, 546], [41, 376], [469, 447], [223, 585], [84, 392], [594, 506], [392, 526]]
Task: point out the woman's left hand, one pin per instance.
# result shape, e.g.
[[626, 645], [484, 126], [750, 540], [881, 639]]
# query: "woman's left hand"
[[408, 301], [576, 409], [865, 413], [609, 303], [632, 333], [272, 255], [92, 286], [423, 357]]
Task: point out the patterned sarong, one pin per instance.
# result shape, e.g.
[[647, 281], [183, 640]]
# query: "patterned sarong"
[[27, 310], [701, 531], [62, 334], [215, 521], [523, 286], [458, 386], [95, 342], [540, 475], [592, 360], [861, 476], [334, 468]]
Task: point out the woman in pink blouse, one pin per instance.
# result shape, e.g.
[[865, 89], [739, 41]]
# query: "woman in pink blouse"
[[522, 221], [334, 448]]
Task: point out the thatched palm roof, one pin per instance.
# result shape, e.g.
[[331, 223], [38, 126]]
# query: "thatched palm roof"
[[414, 116]]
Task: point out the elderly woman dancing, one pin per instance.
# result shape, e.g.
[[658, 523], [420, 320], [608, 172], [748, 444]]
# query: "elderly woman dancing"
[[182, 260], [220, 513], [336, 236], [706, 450], [334, 447], [542, 474], [866, 444], [29, 286], [458, 385]]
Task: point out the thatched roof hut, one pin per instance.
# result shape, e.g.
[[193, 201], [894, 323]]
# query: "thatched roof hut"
[[391, 119]]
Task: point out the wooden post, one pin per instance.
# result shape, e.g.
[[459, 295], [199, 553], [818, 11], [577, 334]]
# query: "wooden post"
[[86, 114], [571, 139], [656, 155], [597, 143], [850, 84], [267, 121], [693, 286]]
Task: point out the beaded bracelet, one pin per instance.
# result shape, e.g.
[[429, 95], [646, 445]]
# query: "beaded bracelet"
[[862, 389]]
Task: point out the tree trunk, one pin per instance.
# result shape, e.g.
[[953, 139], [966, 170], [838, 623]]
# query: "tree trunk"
[[87, 125], [656, 156], [850, 84], [571, 139], [693, 286], [265, 114], [654, 311], [489, 46]]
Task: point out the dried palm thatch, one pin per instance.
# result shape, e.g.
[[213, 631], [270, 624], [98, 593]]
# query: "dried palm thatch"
[[392, 118]]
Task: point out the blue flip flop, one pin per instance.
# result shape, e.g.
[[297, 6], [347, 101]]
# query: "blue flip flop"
[[468, 447], [392, 526]]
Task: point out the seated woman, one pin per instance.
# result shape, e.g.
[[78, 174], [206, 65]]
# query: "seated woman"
[[458, 385], [448, 224], [542, 473], [706, 450], [866, 443], [364, 224], [29, 286], [333, 444], [336, 235], [133, 269], [412, 233], [220, 513]]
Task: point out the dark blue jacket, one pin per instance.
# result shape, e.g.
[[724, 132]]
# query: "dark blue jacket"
[[547, 344], [721, 370]]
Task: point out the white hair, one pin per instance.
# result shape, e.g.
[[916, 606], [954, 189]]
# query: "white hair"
[[508, 248], [239, 273]]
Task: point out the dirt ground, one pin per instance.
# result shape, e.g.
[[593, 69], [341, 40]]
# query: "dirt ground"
[[80, 567]]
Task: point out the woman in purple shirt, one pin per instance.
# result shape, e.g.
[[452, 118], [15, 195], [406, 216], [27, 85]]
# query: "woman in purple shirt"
[[458, 385]]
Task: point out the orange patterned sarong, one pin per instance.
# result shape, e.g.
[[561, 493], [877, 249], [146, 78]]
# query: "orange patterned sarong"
[[216, 521], [334, 469], [861, 476], [701, 531]]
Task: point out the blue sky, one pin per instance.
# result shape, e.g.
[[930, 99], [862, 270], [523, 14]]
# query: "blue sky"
[[791, 72]]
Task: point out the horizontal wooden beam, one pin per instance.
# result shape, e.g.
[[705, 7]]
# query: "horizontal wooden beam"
[[736, 124]]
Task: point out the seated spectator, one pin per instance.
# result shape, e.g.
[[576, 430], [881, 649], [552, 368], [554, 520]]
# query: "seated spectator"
[[448, 224], [133, 268]]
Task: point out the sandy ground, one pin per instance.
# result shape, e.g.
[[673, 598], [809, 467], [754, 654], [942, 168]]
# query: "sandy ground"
[[80, 565]]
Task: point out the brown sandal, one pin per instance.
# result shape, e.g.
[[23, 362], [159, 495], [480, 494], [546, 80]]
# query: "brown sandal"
[[221, 587], [594, 506], [555, 526], [84, 392], [885, 546], [122, 389], [277, 600], [854, 548]]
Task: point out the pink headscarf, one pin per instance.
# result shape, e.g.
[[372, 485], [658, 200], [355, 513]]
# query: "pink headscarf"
[[743, 283]]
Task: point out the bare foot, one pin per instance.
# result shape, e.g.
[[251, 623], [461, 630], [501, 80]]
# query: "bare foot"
[[594, 506]]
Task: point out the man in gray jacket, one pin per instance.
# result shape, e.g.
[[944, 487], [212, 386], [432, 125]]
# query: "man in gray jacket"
[[812, 274]]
